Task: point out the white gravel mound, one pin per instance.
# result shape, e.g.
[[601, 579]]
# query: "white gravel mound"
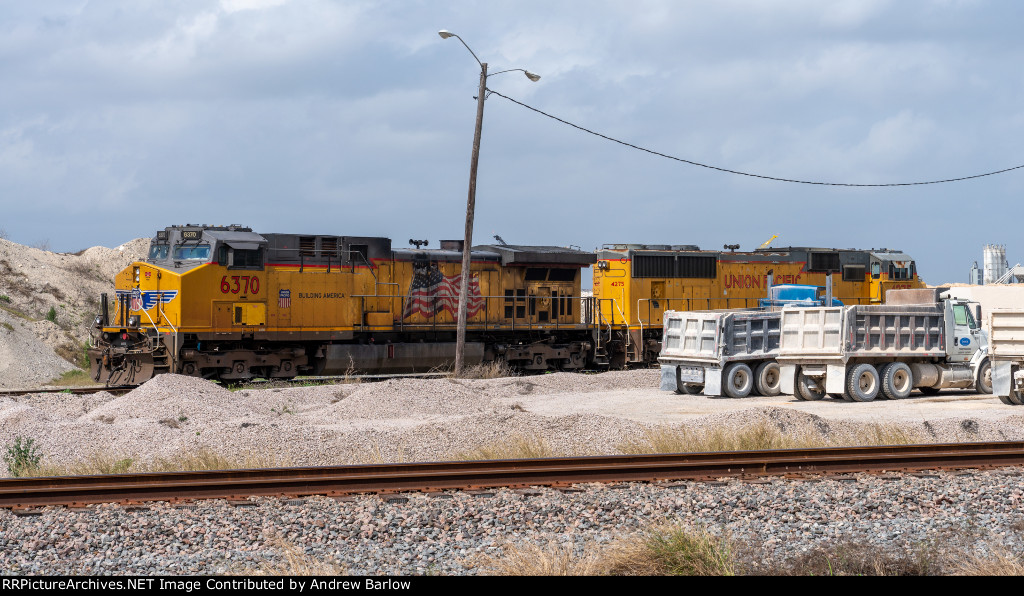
[[34, 281], [436, 419]]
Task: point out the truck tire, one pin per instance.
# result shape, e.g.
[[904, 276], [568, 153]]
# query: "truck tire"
[[1006, 400], [768, 378], [738, 380], [897, 380], [928, 390], [1015, 397], [983, 384], [862, 382], [807, 389]]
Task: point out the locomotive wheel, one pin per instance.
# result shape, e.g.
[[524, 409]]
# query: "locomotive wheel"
[[807, 388], [897, 380], [768, 378], [739, 380], [984, 381], [862, 384]]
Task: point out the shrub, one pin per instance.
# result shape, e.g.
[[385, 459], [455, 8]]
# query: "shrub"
[[52, 315], [673, 550], [21, 457]]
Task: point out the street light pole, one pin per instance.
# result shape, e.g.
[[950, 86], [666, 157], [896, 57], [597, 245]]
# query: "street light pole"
[[460, 333]]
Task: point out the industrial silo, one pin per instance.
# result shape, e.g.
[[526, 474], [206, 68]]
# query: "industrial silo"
[[995, 262]]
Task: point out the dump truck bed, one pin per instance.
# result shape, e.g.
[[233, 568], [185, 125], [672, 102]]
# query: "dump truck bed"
[[716, 338]]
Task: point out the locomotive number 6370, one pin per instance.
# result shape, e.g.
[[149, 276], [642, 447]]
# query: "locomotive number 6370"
[[234, 284]]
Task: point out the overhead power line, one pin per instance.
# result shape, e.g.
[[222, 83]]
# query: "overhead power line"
[[738, 173]]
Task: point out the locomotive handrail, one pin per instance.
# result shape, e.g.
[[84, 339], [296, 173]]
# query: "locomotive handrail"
[[553, 323]]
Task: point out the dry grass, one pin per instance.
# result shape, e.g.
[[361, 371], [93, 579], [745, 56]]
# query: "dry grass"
[[91, 465], [488, 370], [518, 447], [758, 436], [205, 459], [294, 561], [530, 559], [105, 463], [672, 549], [997, 562], [851, 558], [376, 454], [74, 378], [662, 550]]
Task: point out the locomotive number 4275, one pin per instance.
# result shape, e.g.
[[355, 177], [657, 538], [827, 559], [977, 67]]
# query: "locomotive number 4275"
[[234, 284]]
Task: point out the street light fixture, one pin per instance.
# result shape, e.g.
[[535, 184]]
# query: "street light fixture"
[[460, 334]]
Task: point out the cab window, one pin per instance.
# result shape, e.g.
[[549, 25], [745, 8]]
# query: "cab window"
[[193, 252], [960, 314], [158, 252], [246, 259]]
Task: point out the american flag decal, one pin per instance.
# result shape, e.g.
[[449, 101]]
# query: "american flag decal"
[[433, 292]]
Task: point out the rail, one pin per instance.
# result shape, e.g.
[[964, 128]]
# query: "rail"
[[390, 478]]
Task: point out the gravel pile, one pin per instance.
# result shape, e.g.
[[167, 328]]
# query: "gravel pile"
[[429, 420], [33, 281]]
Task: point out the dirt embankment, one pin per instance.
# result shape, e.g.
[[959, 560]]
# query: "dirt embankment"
[[47, 303]]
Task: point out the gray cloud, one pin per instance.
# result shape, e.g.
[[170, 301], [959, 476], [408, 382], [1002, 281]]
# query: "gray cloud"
[[118, 118]]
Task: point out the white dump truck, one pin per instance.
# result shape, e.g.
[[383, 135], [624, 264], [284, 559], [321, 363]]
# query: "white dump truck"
[[1006, 349], [731, 352], [860, 352], [716, 352]]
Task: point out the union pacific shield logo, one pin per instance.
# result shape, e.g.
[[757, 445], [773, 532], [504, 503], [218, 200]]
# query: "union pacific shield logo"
[[136, 299]]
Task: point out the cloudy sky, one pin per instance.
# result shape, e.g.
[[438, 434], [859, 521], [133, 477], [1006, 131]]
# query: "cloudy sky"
[[354, 117]]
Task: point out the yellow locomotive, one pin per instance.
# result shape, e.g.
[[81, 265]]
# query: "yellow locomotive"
[[228, 303], [635, 284]]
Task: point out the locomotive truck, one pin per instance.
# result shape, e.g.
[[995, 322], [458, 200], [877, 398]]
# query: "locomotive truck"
[[861, 352]]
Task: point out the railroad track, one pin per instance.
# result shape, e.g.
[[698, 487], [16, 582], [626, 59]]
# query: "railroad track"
[[255, 384], [19, 493]]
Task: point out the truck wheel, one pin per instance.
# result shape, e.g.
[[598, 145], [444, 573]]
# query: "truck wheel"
[[1016, 397], [897, 380], [738, 380], [928, 390], [984, 382], [807, 388], [768, 378], [862, 382], [1006, 400]]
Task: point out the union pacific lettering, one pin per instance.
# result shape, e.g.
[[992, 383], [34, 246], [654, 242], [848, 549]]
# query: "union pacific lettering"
[[758, 281]]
